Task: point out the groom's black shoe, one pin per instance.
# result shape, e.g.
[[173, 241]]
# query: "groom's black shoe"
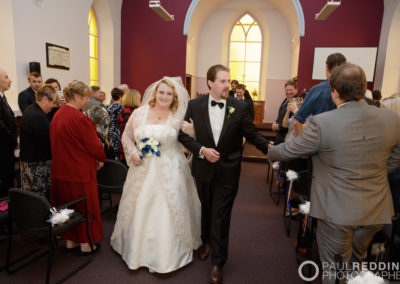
[[204, 251], [216, 274]]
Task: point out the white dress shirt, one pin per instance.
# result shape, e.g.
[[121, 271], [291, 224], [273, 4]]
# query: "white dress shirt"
[[217, 116]]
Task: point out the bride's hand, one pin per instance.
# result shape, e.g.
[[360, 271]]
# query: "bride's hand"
[[188, 128], [136, 158]]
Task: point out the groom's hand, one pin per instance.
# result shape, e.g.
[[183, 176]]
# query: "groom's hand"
[[211, 154]]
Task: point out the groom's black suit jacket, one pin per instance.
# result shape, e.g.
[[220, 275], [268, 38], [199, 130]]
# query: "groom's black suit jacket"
[[235, 126]]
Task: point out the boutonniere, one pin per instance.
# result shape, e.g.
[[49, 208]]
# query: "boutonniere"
[[231, 110]]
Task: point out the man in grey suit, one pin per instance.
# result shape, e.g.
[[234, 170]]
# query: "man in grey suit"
[[353, 148]]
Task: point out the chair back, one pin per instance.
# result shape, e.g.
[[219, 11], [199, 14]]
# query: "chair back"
[[4, 214], [28, 212], [112, 175]]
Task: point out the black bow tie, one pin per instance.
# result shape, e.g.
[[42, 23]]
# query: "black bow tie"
[[220, 104]]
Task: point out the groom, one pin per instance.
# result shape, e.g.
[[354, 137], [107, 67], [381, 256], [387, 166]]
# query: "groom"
[[220, 122]]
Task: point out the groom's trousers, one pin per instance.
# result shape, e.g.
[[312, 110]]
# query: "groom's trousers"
[[217, 199]]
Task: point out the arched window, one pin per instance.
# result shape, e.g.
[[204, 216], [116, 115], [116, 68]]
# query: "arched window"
[[245, 54], [93, 54]]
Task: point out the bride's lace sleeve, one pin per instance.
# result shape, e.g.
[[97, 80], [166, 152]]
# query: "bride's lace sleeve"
[[128, 138], [175, 123]]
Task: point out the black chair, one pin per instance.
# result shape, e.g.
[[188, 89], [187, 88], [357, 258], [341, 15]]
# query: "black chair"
[[4, 228], [268, 170], [292, 202], [28, 214], [278, 177], [110, 180]]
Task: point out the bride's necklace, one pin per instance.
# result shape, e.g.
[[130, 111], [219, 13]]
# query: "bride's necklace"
[[160, 116]]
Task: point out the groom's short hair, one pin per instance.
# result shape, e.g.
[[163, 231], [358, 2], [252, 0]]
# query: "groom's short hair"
[[213, 70]]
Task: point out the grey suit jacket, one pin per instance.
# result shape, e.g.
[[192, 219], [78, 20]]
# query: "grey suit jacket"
[[353, 147]]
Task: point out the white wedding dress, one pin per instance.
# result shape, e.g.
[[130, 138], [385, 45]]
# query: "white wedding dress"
[[158, 221]]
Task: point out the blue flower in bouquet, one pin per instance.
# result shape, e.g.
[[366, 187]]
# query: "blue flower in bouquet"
[[149, 146]]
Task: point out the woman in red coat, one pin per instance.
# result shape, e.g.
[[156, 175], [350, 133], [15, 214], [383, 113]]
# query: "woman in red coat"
[[77, 153]]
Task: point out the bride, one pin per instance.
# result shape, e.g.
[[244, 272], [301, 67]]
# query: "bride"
[[158, 221]]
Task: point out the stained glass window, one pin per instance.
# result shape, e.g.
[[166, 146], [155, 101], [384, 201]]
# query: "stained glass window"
[[93, 52], [245, 54]]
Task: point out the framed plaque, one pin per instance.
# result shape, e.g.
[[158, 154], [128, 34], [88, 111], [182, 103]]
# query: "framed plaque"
[[57, 56]]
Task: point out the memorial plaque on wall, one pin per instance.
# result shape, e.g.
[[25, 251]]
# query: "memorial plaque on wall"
[[57, 56]]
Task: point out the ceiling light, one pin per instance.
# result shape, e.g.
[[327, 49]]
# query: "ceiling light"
[[328, 9], [156, 7]]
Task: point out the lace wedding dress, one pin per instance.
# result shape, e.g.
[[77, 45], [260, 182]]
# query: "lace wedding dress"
[[158, 221]]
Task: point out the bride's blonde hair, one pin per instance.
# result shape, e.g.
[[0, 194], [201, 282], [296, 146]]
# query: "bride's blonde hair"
[[175, 102]]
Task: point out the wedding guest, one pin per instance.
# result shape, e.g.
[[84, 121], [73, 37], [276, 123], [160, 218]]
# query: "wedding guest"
[[301, 186], [232, 92], [114, 110], [35, 149], [102, 96], [27, 96], [240, 89], [94, 98], [77, 153], [220, 123], [56, 85], [368, 99], [281, 131], [287, 121], [101, 120], [393, 103], [124, 88], [377, 96], [353, 148], [318, 98], [158, 221], [8, 141], [130, 101]]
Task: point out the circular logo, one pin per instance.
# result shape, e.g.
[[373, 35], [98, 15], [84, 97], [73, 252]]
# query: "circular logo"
[[300, 270]]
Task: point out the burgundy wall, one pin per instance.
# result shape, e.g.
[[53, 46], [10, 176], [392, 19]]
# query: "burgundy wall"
[[150, 47], [355, 23]]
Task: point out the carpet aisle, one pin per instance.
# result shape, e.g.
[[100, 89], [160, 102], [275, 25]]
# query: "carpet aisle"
[[259, 251]]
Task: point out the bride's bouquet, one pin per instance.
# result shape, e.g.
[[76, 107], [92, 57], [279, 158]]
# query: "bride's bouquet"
[[149, 146]]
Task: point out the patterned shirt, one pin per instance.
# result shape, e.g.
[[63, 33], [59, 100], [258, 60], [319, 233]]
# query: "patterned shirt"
[[114, 110], [122, 120]]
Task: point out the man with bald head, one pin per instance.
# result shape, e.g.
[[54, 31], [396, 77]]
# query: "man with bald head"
[[8, 134]]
